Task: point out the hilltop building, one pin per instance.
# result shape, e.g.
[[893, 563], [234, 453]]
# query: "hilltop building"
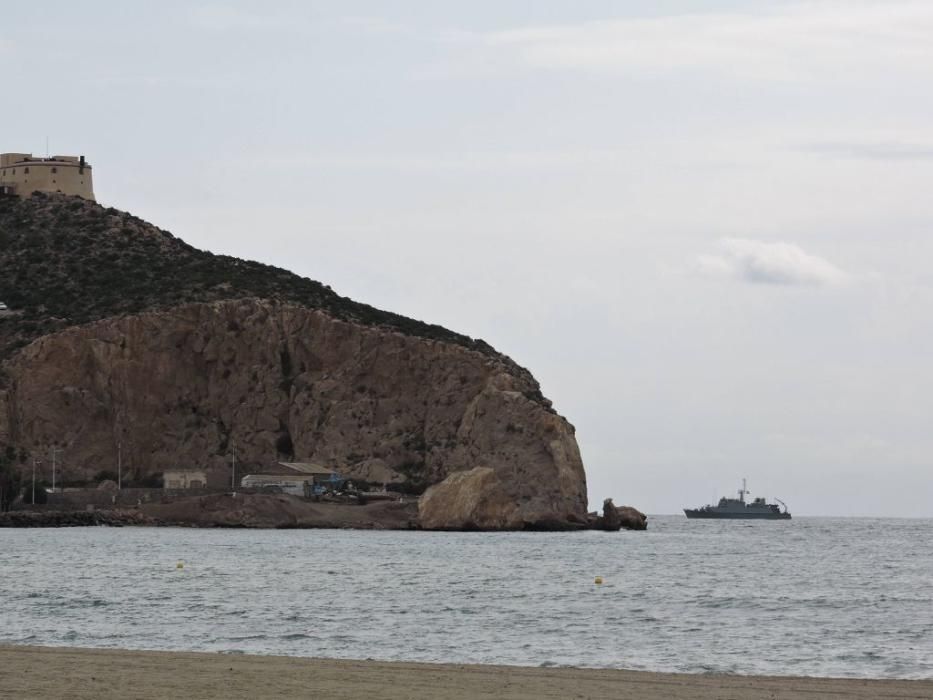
[[21, 174]]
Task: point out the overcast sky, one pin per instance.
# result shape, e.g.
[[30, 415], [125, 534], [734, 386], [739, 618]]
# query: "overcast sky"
[[707, 230]]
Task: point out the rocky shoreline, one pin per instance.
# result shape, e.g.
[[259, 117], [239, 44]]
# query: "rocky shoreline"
[[264, 511], [65, 518]]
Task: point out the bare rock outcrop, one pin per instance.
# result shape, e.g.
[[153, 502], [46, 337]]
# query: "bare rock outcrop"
[[469, 500], [178, 388], [615, 518], [279, 511], [113, 518]]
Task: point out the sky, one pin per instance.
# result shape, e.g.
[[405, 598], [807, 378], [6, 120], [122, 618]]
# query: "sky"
[[706, 227]]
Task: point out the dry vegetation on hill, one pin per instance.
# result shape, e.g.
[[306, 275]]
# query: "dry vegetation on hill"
[[66, 261]]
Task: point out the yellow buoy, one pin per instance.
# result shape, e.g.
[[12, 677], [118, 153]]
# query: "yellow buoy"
[[180, 565], [599, 580]]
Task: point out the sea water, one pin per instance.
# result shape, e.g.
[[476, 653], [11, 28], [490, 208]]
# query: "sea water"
[[812, 596]]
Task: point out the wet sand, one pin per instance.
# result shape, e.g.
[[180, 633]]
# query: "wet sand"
[[44, 673]]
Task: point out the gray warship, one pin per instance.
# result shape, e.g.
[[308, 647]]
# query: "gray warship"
[[739, 509]]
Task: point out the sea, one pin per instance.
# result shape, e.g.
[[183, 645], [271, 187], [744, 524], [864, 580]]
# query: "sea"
[[810, 596]]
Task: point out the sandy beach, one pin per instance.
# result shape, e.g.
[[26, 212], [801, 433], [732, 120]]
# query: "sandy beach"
[[45, 673]]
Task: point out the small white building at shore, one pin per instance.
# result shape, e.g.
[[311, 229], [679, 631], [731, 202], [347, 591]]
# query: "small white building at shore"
[[184, 479]]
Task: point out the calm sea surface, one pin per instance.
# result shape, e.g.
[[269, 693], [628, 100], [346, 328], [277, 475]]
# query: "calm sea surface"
[[822, 597]]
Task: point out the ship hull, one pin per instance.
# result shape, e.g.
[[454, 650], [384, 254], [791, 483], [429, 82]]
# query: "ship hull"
[[712, 515]]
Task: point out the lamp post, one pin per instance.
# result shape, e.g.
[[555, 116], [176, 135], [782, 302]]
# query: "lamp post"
[[35, 463], [233, 470], [54, 451]]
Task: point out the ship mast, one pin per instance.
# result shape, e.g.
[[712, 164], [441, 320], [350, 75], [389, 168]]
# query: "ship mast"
[[742, 492]]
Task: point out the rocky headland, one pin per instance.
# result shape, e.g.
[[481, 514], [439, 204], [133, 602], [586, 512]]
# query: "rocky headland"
[[123, 337]]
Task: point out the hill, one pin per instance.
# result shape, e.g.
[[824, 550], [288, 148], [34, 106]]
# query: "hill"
[[125, 343], [68, 262]]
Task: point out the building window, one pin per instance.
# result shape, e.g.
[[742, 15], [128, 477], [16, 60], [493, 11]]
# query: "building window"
[[25, 171], [54, 170]]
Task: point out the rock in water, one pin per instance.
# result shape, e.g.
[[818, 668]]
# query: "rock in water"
[[127, 335], [616, 517]]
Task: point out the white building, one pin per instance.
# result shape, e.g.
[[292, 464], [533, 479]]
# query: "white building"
[[184, 479], [294, 484]]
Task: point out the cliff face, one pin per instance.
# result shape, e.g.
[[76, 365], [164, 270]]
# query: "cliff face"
[[179, 387]]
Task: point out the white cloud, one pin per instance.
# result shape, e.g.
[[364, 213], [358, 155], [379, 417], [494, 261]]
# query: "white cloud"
[[797, 41], [760, 262]]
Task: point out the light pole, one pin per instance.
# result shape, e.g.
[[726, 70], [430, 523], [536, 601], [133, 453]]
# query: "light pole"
[[34, 463], [233, 471], [54, 451]]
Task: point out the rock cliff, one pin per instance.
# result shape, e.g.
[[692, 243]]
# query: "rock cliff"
[[281, 371]]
